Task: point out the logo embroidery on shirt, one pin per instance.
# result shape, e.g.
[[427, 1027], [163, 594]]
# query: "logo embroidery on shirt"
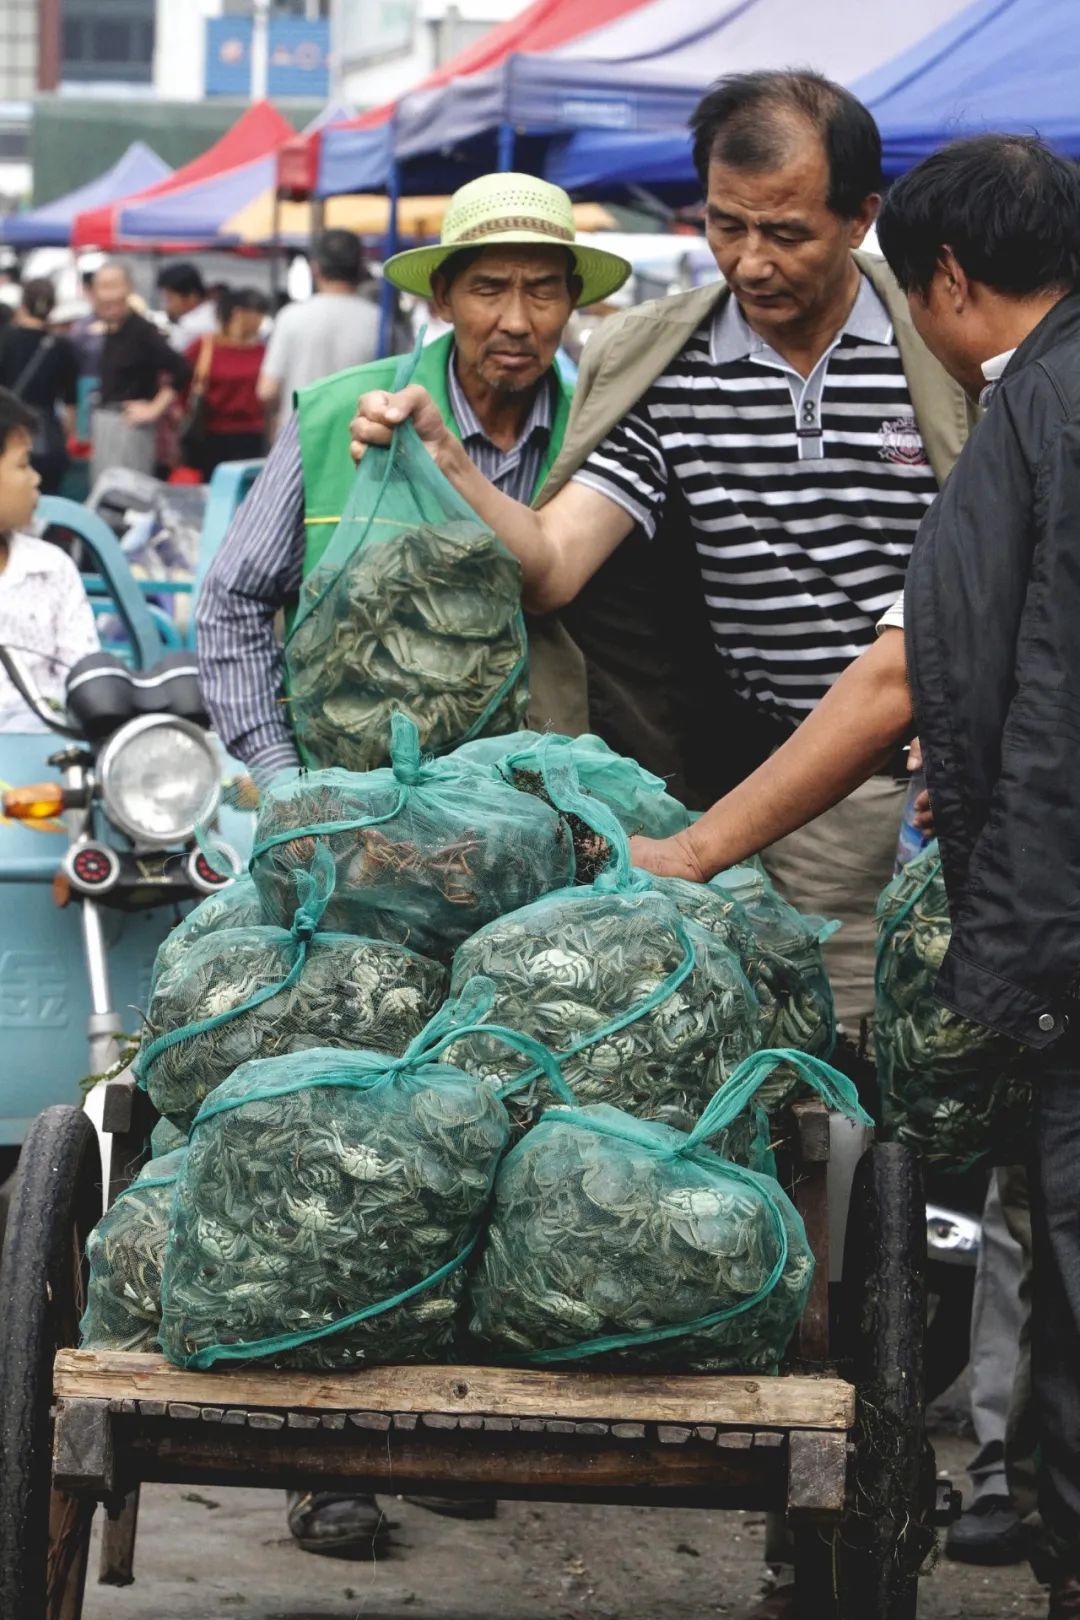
[[901, 443]]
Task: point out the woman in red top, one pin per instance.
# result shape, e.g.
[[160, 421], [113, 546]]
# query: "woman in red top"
[[225, 368]]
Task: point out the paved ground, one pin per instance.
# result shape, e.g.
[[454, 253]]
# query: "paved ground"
[[225, 1555]]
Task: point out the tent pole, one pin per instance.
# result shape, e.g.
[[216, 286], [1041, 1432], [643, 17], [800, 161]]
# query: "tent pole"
[[507, 140], [387, 297], [275, 249]]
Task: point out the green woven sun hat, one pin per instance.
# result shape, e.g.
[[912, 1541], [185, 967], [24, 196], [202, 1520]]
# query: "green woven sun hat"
[[508, 208]]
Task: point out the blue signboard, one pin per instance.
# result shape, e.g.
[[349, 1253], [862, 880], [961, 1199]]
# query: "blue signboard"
[[228, 56], [299, 53]]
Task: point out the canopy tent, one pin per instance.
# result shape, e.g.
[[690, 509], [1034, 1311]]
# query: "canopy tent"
[[418, 217], [199, 211], [994, 64], [1000, 64], [50, 225], [256, 134], [635, 67]]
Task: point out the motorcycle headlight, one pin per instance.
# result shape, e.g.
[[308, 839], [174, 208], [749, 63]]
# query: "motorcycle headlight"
[[159, 779]]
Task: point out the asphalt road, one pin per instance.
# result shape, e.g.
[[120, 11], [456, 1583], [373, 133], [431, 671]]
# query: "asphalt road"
[[226, 1555]]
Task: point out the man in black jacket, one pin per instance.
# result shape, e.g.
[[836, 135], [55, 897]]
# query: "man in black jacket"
[[985, 238]]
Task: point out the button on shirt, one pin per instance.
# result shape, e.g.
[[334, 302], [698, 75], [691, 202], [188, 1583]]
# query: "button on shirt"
[[514, 471], [260, 565], [804, 494]]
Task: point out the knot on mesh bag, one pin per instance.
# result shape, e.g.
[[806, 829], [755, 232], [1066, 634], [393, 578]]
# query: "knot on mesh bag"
[[414, 604], [611, 1236], [955, 1091], [247, 993], [425, 852], [634, 795], [352, 1187], [125, 1252], [643, 1009]]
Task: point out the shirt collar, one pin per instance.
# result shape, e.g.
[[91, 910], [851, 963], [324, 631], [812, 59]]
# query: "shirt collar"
[[538, 421], [733, 338], [992, 368], [23, 561]]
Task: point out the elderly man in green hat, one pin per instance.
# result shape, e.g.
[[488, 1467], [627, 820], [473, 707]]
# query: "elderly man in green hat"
[[505, 276]]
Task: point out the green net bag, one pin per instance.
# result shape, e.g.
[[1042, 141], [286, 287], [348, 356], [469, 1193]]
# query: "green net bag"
[[415, 607], [165, 1138], [637, 798], [125, 1252], [329, 1203], [425, 852], [622, 1240], [643, 1010], [237, 905], [248, 993], [952, 1089]]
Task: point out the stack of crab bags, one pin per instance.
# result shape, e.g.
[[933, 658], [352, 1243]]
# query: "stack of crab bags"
[[951, 1089]]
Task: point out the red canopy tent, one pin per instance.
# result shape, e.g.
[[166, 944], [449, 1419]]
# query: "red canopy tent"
[[257, 132], [540, 27]]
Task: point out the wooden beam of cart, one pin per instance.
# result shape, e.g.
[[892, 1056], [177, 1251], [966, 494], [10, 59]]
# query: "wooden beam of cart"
[[737, 1402]]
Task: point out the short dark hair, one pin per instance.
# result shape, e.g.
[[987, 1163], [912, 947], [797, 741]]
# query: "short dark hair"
[[1007, 206], [39, 298], [340, 257], [15, 417], [745, 120], [182, 278], [230, 299]]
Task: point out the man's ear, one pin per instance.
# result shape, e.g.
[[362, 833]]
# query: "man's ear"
[[868, 213], [955, 283]]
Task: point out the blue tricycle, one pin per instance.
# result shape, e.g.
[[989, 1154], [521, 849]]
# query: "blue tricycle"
[[98, 849]]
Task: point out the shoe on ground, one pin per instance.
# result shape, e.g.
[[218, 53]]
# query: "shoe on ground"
[[1065, 1599], [780, 1605], [456, 1507], [989, 1532], [336, 1526]]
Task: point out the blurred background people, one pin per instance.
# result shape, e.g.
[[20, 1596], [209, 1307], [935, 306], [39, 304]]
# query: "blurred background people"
[[141, 376], [191, 310], [225, 368], [40, 368], [332, 330]]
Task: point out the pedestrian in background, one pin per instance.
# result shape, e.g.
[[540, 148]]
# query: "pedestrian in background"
[[222, 392], [191, 310], [40, 367], [332, 330], [141, 376]]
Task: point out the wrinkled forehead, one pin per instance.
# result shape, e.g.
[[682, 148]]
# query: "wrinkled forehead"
[[512, 262], [796, 187]]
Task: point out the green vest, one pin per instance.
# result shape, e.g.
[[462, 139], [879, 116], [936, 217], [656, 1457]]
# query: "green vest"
[[325, 410]]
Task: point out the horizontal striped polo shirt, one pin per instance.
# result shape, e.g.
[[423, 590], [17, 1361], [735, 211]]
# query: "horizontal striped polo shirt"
[[804, 494]]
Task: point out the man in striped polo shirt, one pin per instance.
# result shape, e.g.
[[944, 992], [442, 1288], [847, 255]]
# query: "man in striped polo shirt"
[[767, 448]]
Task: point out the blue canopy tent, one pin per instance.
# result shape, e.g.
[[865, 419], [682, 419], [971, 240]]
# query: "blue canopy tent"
[[994, 64], [50, 225]]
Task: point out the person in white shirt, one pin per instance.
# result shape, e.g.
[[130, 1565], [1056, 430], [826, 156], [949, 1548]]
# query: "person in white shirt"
[[334, 329], [44, 610], [192, 312]]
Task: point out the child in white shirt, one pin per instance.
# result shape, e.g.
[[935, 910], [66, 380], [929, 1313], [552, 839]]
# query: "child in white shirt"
[[44, 610]]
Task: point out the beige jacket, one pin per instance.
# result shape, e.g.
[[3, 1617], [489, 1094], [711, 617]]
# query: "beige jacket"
[[619, 365]]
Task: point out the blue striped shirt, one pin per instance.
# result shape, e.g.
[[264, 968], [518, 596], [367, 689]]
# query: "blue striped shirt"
[[260, 565]]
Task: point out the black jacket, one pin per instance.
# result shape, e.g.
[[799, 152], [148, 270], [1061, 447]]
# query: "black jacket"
[[992, 626]]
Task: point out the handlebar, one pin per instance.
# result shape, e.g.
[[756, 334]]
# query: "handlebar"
[[24, 683]]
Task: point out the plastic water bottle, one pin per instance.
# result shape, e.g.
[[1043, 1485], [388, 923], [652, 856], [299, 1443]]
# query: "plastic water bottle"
[[912, 840]]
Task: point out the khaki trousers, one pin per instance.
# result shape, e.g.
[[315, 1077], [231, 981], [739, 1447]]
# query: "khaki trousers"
[[837, 867]]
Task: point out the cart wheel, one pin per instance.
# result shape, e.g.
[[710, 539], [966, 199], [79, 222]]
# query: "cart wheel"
[[44, 1535], [886, 1536]]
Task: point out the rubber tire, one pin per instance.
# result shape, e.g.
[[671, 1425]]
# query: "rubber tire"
[[886, 1536], [948, 1331], [42, 1289]]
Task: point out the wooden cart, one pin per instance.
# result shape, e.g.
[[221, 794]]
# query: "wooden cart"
[[836, 1443]]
